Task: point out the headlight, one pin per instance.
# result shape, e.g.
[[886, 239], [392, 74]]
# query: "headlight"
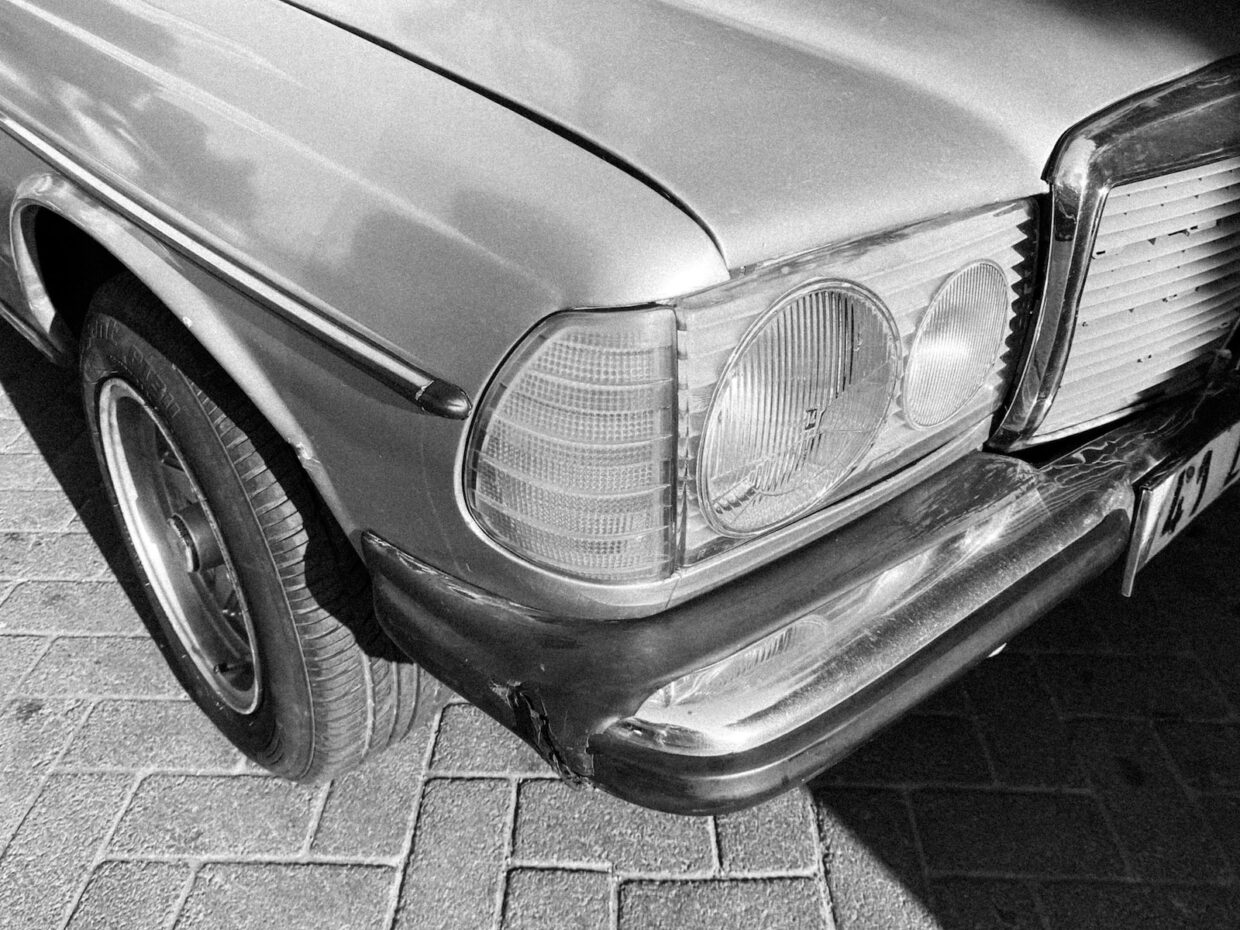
[[625, 446], [957, 343], [799, 404]]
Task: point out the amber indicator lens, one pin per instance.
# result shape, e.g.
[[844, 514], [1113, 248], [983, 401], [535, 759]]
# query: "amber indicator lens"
[[798, 407]]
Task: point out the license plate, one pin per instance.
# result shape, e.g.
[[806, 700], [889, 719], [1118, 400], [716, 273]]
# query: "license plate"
[[1171, 496]]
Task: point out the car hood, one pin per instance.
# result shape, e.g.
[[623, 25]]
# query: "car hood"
[[787, 124]]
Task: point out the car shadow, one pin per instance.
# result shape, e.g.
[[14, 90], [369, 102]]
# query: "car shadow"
[[45, 399], [1087, 776]]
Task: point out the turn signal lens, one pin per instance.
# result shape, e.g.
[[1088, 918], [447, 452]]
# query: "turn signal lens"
[[572, 462], [957, 344], [798, 406]]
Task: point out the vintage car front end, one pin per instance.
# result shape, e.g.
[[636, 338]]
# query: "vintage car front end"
[[914, 434], [703, 384]]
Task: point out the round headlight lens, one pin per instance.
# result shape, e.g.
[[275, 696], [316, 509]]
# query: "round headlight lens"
[[957, 344], [798, 406]]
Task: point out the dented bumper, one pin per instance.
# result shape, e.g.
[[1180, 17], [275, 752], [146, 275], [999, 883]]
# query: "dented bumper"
[[929, 584]]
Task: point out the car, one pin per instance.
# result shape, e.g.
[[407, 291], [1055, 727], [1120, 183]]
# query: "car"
[[693, 386]]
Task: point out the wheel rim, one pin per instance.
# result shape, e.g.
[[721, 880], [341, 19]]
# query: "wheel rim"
[[179, 545]]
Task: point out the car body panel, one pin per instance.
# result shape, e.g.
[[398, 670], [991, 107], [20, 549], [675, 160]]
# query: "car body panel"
[[788, 124], [341, 422], [414, 211]]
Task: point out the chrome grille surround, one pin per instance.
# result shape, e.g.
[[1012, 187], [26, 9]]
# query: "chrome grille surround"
[[1142, 275]]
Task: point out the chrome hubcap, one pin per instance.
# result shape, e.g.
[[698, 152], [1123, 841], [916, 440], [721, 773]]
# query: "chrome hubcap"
[[179, 545]]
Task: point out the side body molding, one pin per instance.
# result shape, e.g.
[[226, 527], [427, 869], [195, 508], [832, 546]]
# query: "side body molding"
[[160, 269]]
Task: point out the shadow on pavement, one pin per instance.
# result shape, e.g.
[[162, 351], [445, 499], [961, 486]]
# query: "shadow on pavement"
[[1088, 776], [46, 400]]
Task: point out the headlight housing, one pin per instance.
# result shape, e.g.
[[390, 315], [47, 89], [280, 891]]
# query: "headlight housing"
[[627, 446]]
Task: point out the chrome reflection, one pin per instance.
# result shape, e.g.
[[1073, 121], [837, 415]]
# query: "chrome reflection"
[[1188, 123]]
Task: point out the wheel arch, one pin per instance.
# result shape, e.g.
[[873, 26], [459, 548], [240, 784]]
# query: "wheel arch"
[[50, 217]]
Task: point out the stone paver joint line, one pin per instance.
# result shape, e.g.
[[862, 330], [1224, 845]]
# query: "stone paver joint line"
[[100, 852]]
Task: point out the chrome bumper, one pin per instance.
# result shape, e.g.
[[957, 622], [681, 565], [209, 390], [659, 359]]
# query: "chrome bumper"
[[979, 551]]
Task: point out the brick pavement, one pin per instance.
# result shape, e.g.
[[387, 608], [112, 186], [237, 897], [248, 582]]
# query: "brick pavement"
[[1089, 776]]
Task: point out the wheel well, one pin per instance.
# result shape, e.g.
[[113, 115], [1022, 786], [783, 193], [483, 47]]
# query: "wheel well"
[[71, 264]]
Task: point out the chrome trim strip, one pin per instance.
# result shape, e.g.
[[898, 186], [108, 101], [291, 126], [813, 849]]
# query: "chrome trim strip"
[[1183, 124], [431, 394]]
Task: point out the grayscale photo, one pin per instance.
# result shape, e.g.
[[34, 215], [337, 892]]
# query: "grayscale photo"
[[619, 465]]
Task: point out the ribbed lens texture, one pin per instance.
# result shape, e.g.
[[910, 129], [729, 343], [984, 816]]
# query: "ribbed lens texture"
[[957, 344], [797, 409], [573, 463]]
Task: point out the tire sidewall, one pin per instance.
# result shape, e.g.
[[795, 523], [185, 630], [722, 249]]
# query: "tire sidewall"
[[116, 342]]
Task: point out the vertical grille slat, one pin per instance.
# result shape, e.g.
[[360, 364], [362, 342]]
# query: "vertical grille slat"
[[1160, 297]]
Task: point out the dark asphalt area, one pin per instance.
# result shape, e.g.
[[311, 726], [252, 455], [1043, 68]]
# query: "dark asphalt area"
[[1086, 777]]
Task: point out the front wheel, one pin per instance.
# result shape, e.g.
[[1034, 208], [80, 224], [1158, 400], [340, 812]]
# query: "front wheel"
[[261, 607]]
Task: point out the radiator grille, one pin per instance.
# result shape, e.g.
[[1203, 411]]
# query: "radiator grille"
[[1161, 295]]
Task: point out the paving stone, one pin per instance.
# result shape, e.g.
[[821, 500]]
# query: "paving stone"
[[1028, 743], [215, 816], [918, 748], [47, 859], [1132, 686], [130, 896], [75, 473], [369, 809], [17, 792], [1206, 755], [308, 897], [57, 426], [773, 904], [42, 383], [149, 734], [71, 607], [33, 731], [1222, 813], [102, 667], [973, 904], [17, 658], [952, 701], [35, 510], [456, 869], [1073, 626], [1016, 833], [1168, 587], [1162, 834], [15, 438], [17, 355], [1112, 906], [776, 835], [871, 861], [24, 471], [550, 899], [470, 741], [72, 556], [557, 823], [1219, 655]]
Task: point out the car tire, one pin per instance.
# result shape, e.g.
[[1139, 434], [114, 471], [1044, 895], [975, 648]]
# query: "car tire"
[[260, 605]]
